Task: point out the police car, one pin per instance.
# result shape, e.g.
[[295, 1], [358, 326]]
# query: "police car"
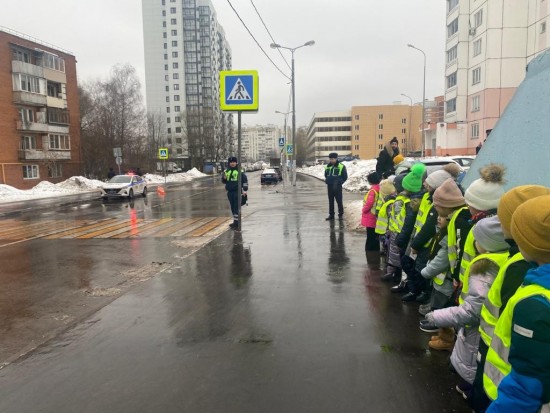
[[124, 186]]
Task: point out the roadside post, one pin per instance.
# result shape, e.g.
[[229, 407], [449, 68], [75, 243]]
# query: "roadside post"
[[283, 157], [163, 156], [117, 152], [239, 92]]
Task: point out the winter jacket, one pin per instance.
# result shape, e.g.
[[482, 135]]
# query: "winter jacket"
[[515, 274], [527, 386], [335, 175], [465, 317], [231, 181], [403, 167], [384, 162], [426, 233], [410, 218], [368, 218], [439, 264]]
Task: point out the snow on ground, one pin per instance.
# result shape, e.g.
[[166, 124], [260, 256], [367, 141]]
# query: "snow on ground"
[[79, 184]]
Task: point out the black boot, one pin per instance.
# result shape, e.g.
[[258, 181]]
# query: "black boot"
[[234, 225], [400, 288]]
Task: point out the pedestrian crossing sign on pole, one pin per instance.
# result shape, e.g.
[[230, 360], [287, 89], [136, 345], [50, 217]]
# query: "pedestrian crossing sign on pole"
[[281, 141], [289, 149], [163, 153], [239, 90]]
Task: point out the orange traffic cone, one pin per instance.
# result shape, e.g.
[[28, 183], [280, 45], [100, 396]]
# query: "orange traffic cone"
[[161, 191]]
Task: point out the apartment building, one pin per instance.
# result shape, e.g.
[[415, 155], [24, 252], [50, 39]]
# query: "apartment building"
[[39, 112], [328, 132], [259, 143], [185, 49], [373, 126], [489, 43]]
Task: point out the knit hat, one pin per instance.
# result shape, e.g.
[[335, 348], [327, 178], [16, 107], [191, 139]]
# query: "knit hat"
[[453, 169], [398, 159], [436, 178], [333, 155], [484, 193], [386, 188], [448, 195], [232, 159], [514, 198], [398, 183], [373, 178], [488, 233], [413, 181], [530, 228]]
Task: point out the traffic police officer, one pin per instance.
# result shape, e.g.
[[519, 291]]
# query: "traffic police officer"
[[230, 178], [335, 176]]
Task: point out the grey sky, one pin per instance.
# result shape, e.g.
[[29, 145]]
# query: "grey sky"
[[360, 56]]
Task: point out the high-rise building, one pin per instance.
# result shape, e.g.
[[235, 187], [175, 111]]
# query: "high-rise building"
[[489, 43], [260, 143], [39, 112], [185, 49], [328, 132]]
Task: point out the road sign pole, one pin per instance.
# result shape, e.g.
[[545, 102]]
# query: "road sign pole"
[[240, 175]]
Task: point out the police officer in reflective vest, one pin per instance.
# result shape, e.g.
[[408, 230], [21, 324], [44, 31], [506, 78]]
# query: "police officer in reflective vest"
[[335, 176], [230, 178]]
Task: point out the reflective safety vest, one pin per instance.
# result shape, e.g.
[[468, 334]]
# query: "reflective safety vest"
[[490, 312], [422, 215], [452, 239], [397, 221], [382, 219], [332, 169], [232, 175], [498, 258], [379, 203], [439, 279], [377, 197], [468, 255], [497, 365]]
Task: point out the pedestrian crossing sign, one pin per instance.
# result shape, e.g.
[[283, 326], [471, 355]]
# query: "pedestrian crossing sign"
[[239, 90], [281, 141], [289, 149], [163, 153]]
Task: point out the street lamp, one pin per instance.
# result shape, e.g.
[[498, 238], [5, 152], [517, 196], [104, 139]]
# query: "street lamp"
[[292, 49], [423, 98], [410, 116], [284, 151]]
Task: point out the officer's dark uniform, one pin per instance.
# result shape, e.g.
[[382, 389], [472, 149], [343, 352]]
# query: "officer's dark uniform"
[[230, 178], [335, 176]]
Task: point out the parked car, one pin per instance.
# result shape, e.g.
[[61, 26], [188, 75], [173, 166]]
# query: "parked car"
[[464, 161], [124, 186], [269, 176], [438, 162], [279, 172]]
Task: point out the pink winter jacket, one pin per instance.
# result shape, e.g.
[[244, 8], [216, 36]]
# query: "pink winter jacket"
[[368, 219]]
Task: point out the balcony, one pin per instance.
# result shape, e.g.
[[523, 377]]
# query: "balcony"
[[41, 127], [26, 68], [40, 155], [28, 98]]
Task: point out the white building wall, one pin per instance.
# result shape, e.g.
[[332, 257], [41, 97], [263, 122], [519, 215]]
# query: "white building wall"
[[318, 148]]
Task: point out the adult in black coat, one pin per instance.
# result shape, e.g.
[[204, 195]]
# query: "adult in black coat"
[[384, 162]]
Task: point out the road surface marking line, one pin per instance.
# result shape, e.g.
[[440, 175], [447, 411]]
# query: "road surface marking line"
[[72, 233], [199, 222], [185, 223], [110, 228], [199, 232], [147, 225]]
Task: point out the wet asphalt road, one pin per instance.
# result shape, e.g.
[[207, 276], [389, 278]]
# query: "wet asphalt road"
[[282, 317]]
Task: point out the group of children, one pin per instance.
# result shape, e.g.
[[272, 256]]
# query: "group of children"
[[478, 263]]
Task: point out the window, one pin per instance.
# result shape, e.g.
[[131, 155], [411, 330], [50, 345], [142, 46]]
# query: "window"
[[477, 47], [452, 28], [163, 24], [380, 137], [176, 98], [179, 151], [177, 119], [178, 140], [166, 45], [176, 109], [178, 129], [167, 88], [356, 127], [173, 21], [53, 62], [451, 80], [30, 171], [451, 105], [165, 67], [475, 130], [60, 142], [167, 109], [380, 126], [174, 54], [475, 103], [174, 32], [28, 142], [380, 116], [168, 120], [176, 76], [451, 54], [167, 97], [174, 43], [29, 83], [175, 65], [176, 86], [172, 10], [478, 19], [164, 13], [476, 76], [166, 77], [403, 130], [165, 56], [543, 27], [451, 4], [163, 2], [26, 115], [164, 36], [403, 120], [169, 130], [356, 117], [55, 170]]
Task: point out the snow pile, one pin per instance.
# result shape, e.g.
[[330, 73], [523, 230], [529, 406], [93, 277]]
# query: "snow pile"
[[178, 177], [357, 173]]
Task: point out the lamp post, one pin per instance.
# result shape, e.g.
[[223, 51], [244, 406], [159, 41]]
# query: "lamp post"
[[410, 116], [284, 151], [292, 49], [423, 98]]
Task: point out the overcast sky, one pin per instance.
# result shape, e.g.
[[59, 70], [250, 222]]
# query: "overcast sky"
[[360, 56]]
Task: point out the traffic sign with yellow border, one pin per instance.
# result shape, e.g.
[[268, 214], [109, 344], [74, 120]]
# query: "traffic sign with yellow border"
[[239, 90], [163, 153]]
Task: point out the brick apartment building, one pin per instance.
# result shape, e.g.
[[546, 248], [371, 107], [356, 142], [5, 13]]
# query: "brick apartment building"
[[39, 112]]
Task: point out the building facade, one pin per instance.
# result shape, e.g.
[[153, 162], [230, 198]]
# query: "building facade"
[[39, 112], [489, 43], [373, 126], [260, 143], [185, 49], [328, 132]]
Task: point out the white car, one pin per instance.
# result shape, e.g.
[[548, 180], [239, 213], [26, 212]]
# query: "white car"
[[124, 186], [438, 162]]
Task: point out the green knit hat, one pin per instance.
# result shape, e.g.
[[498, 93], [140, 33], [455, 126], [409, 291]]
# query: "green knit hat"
[[413, 181]]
